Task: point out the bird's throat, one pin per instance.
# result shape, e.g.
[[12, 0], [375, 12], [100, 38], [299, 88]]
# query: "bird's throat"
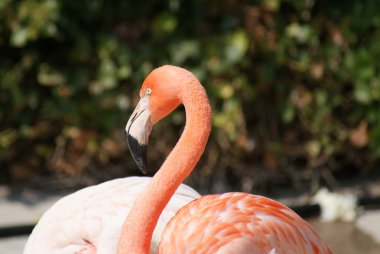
[[139, 226]]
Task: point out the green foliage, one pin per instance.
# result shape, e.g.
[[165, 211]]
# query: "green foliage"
[[300, 74]]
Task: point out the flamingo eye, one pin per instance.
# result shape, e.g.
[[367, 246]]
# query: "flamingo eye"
[[148, 91]]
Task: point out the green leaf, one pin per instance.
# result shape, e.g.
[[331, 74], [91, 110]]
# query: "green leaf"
[[237, 46], [362, 93]]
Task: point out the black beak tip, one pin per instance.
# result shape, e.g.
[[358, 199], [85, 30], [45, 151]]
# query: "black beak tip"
[[143, 168], [139, 153]]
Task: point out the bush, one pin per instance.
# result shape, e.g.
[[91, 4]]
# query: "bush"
[[294, 85]]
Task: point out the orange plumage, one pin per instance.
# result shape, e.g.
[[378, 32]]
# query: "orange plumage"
[[239, 223], [228, 223]]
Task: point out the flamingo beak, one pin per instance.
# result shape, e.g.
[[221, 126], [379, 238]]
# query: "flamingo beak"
[[138, 130]]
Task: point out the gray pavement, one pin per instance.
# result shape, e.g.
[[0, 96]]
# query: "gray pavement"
[[369, 223], [12, 245], [20, 208], [16, 209]]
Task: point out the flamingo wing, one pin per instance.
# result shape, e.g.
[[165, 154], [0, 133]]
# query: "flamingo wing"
[[90, 220], [239, 223]]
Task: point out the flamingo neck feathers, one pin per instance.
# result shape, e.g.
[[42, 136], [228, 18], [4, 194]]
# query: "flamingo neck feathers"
[[139, 226]]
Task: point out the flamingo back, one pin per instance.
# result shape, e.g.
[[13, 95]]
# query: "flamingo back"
[[239, 223], [90, 220]]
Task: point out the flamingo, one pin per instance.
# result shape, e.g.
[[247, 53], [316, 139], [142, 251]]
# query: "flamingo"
[[89, 220], [227, 223]]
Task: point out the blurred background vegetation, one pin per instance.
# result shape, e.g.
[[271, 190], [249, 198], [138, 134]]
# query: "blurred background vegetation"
[[294, 86]]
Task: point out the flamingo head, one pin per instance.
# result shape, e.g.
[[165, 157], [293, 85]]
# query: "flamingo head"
[[160, 94]]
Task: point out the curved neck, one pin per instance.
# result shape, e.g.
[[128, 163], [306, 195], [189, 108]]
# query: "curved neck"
[[138, 228]]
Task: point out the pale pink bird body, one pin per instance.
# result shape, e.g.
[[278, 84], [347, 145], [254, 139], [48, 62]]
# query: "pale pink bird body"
[[229, 223], [89, 221]]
